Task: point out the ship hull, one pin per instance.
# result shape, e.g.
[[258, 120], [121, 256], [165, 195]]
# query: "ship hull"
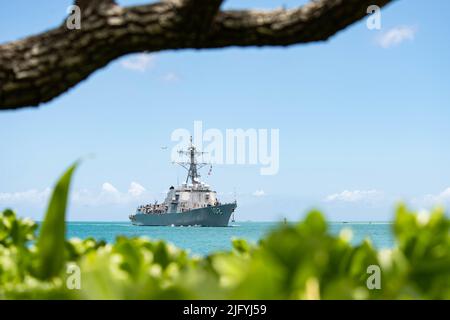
[[217, 216]]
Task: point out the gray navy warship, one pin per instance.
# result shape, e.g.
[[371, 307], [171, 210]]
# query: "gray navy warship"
[[193, 203]]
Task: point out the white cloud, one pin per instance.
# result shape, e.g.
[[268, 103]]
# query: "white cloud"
[[440, 198], [140, 62], [108, 194], [259, 193], [171, 77], [109, 188], [32, 196], [354, 196], [136, 189], [395, 36]]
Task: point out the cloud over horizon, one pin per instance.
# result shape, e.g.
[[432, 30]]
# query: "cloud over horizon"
[[107, 195], [440, 198], [355, 196], [32, 196]]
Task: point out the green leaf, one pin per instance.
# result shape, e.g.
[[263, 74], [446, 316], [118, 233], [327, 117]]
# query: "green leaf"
[[314, 222], [51, 241]]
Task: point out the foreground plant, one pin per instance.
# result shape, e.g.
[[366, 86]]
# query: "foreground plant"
[[299, 261]]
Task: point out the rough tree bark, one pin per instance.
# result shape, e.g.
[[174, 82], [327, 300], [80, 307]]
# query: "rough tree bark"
[[39, 68]]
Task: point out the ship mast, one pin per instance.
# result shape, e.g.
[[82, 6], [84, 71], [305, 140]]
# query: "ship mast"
[[192, 166]]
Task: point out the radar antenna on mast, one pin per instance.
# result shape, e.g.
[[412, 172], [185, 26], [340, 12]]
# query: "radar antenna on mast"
[[192, 166]]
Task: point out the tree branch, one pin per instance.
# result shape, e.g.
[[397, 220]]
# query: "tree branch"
[[39, 68]]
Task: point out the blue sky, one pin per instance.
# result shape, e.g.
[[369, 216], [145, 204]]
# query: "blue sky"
[[363, 121]]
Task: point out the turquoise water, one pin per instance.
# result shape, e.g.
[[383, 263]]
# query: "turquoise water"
[[202, 240]]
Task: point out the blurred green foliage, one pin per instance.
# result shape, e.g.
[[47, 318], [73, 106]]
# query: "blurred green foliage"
[[295, 261]]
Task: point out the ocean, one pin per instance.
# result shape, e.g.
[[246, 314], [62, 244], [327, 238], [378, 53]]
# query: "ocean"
[[204, 240]]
